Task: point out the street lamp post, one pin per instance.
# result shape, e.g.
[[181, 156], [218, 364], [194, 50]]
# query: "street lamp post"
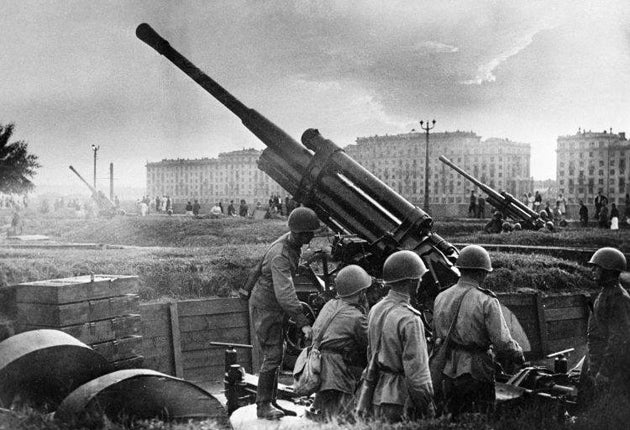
[[95, 149], [426, 128]]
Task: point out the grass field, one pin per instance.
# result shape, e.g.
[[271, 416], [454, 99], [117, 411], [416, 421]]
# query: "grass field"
[[184, 257]]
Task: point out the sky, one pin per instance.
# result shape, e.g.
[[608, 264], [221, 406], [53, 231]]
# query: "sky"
[[73, 74]]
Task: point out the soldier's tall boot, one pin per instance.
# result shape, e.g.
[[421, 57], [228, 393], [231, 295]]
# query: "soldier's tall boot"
[[264, 396], [274, 398]]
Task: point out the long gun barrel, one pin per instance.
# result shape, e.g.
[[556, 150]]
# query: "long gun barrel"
[[502, 201], [345, 196], [101, 200]]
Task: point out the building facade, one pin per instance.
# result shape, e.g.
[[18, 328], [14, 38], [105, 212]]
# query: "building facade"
[[588, 162], [231, 176], [399, 161]]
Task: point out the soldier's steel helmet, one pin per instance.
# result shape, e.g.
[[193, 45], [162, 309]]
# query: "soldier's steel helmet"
[[474, 257], [302, 220], [506, 226], [403, 265], [609, 259], [518, 226], [352, 279]]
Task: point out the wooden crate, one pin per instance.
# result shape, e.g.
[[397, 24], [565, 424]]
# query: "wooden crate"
[[77, 289], [66, 314], [102, 311]]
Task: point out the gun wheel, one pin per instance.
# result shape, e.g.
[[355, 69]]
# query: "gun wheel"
[[295, 338]]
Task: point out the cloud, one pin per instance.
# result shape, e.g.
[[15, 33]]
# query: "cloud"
[[485, 71]]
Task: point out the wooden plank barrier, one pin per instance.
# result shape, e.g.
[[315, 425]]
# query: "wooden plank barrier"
[[176, 336]]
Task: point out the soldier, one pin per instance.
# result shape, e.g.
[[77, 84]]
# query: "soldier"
[[403, 389], [469, 370], [608, 359], [273, 298], [344, 344]]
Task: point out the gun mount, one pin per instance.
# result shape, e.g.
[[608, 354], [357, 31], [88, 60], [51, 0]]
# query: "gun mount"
[[370, 219], [503, 202], [105, 205]]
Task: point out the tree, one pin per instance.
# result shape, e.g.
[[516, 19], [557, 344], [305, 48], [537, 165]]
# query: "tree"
[[17, 166]]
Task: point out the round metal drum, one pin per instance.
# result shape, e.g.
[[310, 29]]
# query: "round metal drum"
[[134, 394], [41, 367]]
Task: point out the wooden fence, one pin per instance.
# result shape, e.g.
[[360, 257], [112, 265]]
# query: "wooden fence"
[[177, 335]]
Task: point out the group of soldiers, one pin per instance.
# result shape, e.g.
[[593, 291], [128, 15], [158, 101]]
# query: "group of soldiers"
[[392, 332]]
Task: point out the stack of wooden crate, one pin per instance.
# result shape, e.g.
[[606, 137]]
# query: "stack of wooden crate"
[[102, 311]]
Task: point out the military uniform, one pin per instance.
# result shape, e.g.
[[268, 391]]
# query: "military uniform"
[[404, 382], [609, 335], [343, 349], [469, 369], [274, 297]]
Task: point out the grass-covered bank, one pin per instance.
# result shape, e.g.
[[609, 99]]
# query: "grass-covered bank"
[[182, 257]]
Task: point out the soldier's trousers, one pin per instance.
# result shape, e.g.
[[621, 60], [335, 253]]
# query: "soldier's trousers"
[[268, 326], [333, 403], [466, 394]]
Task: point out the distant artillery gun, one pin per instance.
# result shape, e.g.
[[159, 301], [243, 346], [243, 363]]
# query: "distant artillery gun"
[[105, 206], [505, 202]]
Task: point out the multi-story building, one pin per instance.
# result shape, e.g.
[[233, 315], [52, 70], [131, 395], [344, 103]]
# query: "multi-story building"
[[230, 176], [399, 161], [591, 161]]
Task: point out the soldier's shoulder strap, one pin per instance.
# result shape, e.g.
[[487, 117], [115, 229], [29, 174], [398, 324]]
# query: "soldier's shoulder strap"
[[413, 310], [488, 292]]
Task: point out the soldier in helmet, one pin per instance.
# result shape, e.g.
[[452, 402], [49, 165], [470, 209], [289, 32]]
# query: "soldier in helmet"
[[469, 371], [608, 359], [403, 389], [343, 345], [273, 298]]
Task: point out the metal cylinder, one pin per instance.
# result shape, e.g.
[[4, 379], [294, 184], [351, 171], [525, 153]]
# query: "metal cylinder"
[[560, 364], [231, 358]]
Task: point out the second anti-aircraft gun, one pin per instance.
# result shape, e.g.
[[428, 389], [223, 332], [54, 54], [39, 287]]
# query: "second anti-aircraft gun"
[[369, 219], [105, 206], [504, 202]]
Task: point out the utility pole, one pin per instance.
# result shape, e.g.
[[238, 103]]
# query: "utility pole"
[[111, 181], [428, 127], [95, 149]]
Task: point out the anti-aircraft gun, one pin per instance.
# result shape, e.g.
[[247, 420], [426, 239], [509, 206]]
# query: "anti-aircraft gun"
[[504, 202], [105, 205], [370, 220]]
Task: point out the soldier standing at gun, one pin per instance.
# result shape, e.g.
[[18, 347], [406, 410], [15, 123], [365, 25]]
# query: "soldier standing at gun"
[[469, 371], [343, 345], [607, 364], [403, 388], [273, 298]]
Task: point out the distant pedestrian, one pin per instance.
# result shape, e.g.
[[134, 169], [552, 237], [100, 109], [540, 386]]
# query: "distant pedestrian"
[[481, 207], [472, 207], [158, 204], [196, 207], [530, 199], [614, 217], [600, 201], [189, 208], [583, 214], [603, 216], [243, 209], [561, 203], [215, 211], [626, 209], [231, 210], [537, 201]]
